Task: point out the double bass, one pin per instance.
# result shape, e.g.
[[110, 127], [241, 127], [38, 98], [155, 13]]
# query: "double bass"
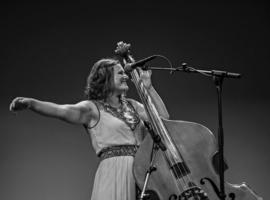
[[184, 169]]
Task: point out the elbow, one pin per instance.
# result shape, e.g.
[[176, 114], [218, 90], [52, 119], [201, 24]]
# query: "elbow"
[[70, 114], [164, 115], [64, 113]]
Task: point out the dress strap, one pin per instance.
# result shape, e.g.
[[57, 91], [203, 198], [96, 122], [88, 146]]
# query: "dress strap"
[[86, 126]]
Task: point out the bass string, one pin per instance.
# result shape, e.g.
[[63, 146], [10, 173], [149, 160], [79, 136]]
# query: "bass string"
[[180, 183], [135, 77], [144, 97], [183, 177]]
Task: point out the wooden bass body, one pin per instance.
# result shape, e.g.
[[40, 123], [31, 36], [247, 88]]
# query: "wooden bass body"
[[197, 146]]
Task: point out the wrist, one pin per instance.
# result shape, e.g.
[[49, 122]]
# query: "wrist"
[[29, 103]]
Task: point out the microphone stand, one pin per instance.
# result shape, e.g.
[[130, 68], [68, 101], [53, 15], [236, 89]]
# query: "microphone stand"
[[157, 144], [218, 77]]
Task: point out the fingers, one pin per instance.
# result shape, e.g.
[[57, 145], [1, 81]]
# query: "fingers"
[[11, 107], [13, 103], [17, 104], [145, 72], [145, 77], [150, 72]]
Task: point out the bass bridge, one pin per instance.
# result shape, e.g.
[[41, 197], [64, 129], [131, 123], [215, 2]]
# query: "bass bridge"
[[193, 193]]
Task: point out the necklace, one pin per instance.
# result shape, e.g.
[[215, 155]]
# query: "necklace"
[[125, 112]]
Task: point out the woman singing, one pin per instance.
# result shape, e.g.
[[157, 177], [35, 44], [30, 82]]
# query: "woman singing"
[[114, 122]]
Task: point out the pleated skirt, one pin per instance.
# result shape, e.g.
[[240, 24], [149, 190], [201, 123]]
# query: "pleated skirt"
[[114, 179]]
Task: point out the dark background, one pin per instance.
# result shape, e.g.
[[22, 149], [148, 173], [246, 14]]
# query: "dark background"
[[47, 51]]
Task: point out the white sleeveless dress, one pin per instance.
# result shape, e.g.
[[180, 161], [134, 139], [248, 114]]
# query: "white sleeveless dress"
[[114, 178]]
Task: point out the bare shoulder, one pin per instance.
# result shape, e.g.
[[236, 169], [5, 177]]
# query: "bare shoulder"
[[86, 103], [87, 106]]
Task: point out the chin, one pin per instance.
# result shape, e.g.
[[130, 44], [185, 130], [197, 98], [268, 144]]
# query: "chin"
[[125, 89]]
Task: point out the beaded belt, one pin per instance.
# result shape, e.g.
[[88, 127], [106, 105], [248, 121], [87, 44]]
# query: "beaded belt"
[[120, 150]]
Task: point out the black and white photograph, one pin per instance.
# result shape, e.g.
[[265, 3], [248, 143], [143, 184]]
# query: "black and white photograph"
[[135, 100]]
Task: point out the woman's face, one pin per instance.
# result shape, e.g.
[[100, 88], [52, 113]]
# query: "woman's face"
[[119, 79]]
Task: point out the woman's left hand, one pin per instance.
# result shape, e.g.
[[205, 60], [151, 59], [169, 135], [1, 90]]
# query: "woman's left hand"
[[145, 77]]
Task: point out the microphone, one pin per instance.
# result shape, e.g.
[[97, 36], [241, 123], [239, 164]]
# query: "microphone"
[[131, 66]]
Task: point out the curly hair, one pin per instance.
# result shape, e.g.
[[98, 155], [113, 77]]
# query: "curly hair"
[[99, 81]]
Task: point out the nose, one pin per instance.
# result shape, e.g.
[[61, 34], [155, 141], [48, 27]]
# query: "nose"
[[125, 76]]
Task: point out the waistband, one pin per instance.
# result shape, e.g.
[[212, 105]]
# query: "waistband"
[[119, 150]]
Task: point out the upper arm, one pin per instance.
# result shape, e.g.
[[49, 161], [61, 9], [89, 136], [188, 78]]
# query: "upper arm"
[[80, 113], [140, 109]]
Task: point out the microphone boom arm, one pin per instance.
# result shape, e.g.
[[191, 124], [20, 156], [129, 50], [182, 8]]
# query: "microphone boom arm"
[[185, 68]]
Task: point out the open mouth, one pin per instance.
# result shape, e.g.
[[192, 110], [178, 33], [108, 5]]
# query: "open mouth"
[[123, 81]]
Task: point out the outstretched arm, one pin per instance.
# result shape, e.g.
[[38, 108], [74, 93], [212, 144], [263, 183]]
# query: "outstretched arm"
[[80, 113]]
